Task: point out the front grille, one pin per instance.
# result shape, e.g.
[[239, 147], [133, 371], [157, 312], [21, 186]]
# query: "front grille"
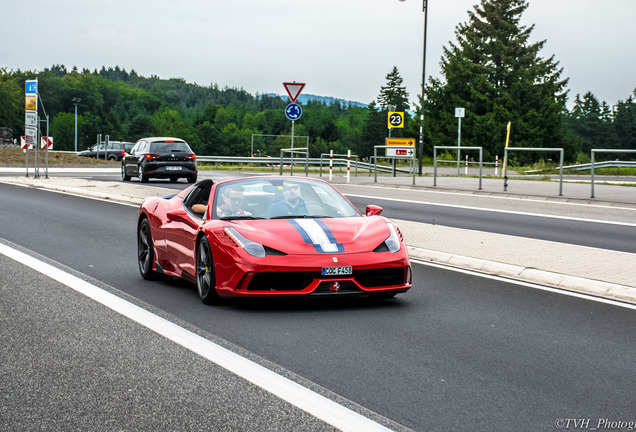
[[380, 277], [297, 281], [281, 281]]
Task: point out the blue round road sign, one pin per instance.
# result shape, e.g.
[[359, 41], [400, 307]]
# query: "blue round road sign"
[[293, 111]]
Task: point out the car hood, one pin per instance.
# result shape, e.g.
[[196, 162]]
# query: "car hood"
[[310, 235]]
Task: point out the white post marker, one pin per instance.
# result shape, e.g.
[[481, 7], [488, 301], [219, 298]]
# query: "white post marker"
[[348, 165], [459, 113], [330, 165], [466, 168], [496, 164]]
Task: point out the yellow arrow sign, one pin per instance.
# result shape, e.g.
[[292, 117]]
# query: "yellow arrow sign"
[[401, 142]]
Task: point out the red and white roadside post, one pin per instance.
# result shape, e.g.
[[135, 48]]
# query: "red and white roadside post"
[[46, 144], [348, 165], [24, 143], [330, 165]]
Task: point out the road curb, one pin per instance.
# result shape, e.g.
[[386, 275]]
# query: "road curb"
[[569, 283]]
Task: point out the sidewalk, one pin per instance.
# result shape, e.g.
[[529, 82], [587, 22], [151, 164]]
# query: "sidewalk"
[[598, 272]]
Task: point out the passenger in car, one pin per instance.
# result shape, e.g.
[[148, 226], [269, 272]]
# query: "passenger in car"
[[291, 204], [232, 200]]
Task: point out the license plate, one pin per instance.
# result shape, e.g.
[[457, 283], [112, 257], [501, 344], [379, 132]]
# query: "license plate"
[[330, 271], [173, 168]]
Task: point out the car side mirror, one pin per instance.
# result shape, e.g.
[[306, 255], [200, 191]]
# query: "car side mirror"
[[178, 215], [373, 210]]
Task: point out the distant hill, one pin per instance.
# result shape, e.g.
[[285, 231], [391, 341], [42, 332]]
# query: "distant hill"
[[328, 100]]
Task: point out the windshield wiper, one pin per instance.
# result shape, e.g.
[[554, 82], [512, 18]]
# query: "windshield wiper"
[[301, 217], [239, 217]]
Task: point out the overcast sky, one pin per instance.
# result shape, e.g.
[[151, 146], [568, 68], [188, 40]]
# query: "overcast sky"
[[340, 48]]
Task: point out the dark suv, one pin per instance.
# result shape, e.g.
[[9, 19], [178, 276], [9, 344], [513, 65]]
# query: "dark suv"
[[160, 157], [115, 151]]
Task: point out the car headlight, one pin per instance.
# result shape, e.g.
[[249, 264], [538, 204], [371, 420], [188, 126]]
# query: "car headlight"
[[393, 241], [252, 248]]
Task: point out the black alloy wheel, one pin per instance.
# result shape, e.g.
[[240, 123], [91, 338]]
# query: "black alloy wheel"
[[143, 178], [124, 177], [145, 251], [205, 273]]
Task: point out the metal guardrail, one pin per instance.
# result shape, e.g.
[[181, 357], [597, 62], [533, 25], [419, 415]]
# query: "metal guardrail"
[[275, 162], [593, 152], [588, 166], [458, 148], [534, 149]]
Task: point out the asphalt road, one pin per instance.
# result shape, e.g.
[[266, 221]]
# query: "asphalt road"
[[71, 364], [582, 233], [457, 352], [604, 228]]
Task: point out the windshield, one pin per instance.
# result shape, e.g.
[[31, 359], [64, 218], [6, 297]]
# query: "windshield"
[[280, 198], [161, 147]]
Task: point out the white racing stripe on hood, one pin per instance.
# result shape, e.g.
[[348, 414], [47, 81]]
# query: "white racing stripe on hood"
[[317, 234]]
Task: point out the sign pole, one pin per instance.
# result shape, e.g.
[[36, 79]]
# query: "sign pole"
[[31, 120], [291, 165], [459, 141], [293, 112], [27, 159], [46, 175], [36, 164]]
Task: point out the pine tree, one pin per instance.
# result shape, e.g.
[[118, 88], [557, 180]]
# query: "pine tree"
[[394, 94], [593, 122], [497, 75], [374, 131], [625, 125]]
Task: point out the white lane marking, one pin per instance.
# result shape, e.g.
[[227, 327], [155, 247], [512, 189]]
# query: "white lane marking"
[[527, 284], [76, 194], [307, 400], [507, 211]]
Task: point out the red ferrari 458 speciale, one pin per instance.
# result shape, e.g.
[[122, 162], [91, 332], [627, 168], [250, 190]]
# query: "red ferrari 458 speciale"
[[271, 236]]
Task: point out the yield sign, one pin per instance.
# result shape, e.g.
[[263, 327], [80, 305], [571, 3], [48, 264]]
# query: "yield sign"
[[294, 89]]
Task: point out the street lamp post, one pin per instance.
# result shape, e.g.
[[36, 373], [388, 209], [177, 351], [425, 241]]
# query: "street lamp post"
[[76, 101], [421, 143], [425, 9]]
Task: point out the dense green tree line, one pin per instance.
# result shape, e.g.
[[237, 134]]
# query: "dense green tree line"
[[214, 121], [493, 71], [497, 74]]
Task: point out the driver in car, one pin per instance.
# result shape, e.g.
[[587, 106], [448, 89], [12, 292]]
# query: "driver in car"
[[232, 200], [291, 204]]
